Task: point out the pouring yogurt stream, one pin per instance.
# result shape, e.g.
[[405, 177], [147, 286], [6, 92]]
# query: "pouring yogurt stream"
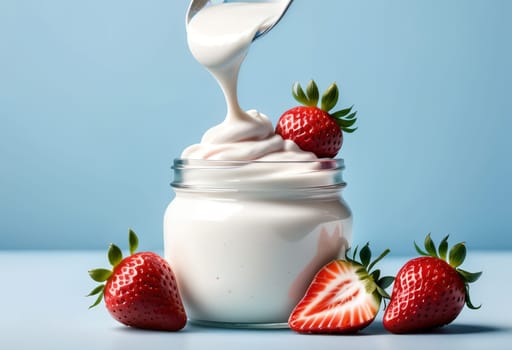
[[219, 37], [241, 261]]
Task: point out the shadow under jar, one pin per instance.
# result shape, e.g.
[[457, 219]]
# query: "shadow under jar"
[[245, 238]]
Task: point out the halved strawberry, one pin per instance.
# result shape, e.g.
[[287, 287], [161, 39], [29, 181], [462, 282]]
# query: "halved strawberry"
[[344, 296]]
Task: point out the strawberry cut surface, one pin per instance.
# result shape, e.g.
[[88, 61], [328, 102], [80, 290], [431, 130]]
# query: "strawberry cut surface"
[[335, 302]]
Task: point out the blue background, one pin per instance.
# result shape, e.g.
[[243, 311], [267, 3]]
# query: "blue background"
[[98, 97]]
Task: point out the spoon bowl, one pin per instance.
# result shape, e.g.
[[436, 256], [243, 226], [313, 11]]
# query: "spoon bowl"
[[197, 5]]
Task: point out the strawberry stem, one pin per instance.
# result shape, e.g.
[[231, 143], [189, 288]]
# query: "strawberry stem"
[[379, 258]]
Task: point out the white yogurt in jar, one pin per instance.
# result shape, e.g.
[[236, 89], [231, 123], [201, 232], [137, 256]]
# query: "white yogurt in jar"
[[254, 217], [244, 252]]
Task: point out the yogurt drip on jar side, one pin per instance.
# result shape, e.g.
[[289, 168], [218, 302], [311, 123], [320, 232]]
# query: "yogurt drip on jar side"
[[219, 37]]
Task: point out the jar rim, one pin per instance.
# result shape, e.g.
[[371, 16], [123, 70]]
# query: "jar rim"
[[258, 175]]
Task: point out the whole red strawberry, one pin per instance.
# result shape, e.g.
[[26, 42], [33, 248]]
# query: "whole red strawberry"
[[429, 291], [314, 129], [344, 296], [141, 290]]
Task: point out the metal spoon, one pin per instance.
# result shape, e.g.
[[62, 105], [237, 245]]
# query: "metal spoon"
[[197, 5]]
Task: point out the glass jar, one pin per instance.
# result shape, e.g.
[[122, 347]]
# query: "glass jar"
[[245, 238]]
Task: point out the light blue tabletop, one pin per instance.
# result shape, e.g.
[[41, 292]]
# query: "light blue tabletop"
[[42, 306]]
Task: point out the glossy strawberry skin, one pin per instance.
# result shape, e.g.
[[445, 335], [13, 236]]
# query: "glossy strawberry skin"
[[427, 293], [312, 129], [142, 292]]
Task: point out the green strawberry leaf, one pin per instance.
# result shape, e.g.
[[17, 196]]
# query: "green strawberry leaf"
[[469, 277], [419, 250], [133, 241], [457, 255], [345, 118], [351, 115], [469, 304], [344, 123], [100, 275], [430, 246], [299, 95], [365, 255], [330, 97], [98, 300], [376, 275], [349, 130], [342, 113], [443, 248], [114, 255], [385, 281], [96, 290], [312, 93]]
